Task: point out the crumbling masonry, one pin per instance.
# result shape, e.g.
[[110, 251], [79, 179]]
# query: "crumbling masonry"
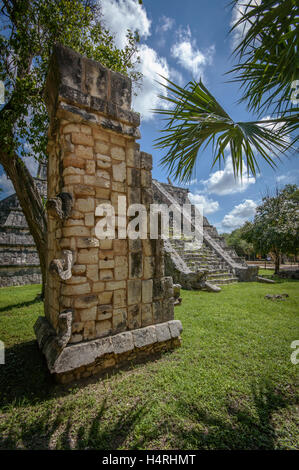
[[107, 301]]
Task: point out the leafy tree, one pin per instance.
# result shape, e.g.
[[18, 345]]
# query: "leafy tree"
[[267, 67], [275, 227], [29, 29], [235, 240]]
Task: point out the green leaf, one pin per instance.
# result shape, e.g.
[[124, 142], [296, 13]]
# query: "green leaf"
[[194, 119]]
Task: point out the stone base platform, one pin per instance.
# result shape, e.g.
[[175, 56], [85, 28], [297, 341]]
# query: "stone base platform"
[[85, 359]]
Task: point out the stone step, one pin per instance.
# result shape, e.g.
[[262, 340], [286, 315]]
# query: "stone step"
[[218, 271], [220, 276], [199, 256], [194, 256], [187, 249], [220, 282], [213, 264], [206, 258], [203, 260], [191, 249]]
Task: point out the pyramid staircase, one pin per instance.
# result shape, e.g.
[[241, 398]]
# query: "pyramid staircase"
[[211, 263], [204, 258]]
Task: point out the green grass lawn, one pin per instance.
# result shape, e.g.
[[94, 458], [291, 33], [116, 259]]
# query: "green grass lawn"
[[230, 386], [266, 272]]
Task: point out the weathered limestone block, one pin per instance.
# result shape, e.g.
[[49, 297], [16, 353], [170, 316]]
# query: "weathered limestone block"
[[247, 274], [103, 328], [86, 301], [146, 314], [119, 318], [211, 287], [157, 311], [119, 172], [167, 309], [122, 343], [93, 352], [119, 298], [265, 280], [134, 316], [146, 178], [176, 294], [144, 336], [147, 291], [146, 161], [176, 290], [135, 265], [134, 195], [88, 314], [50, 342], [175, 328], [134, 291], [163, 332], [167, 287]]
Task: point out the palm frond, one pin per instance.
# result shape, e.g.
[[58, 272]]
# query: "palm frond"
[[267, 53], [195, 119]]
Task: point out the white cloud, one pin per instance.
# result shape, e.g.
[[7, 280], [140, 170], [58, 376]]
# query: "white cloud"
[[240, 213], [121, 15], [129, 14], [291, 177], [223, 182], [176, 77], [189, 56], [166, 24], [6, 186], [275, 127], [151, 66], [32, 165], [238, 11], [209, 206]]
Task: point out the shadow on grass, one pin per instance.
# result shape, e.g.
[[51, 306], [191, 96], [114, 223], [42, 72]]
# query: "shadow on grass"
[[56, 429], [66, 424], [25, 377], [105, 436], [25, 381], [277, 279], [244, 428], [10, 307]]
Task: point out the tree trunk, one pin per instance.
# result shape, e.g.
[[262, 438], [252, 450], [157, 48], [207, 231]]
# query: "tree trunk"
[[277, 263], [31, 203]]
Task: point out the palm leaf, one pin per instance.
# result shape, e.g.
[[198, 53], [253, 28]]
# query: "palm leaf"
[[195, 119], [267, 54]]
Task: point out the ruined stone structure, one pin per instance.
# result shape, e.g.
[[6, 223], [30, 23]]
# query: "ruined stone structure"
[[193, 270], [208, 267], [107, 301], [19, 261]]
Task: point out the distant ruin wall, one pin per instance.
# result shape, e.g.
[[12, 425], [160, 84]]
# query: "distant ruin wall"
[[19, 261]]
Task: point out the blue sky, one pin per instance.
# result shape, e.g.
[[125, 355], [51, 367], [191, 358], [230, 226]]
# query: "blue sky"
[[187, 40]]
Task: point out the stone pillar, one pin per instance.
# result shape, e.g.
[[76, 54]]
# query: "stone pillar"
[[107, 300]]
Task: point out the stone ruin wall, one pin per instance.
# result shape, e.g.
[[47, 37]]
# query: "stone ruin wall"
[[98, 291], [19, 261]]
